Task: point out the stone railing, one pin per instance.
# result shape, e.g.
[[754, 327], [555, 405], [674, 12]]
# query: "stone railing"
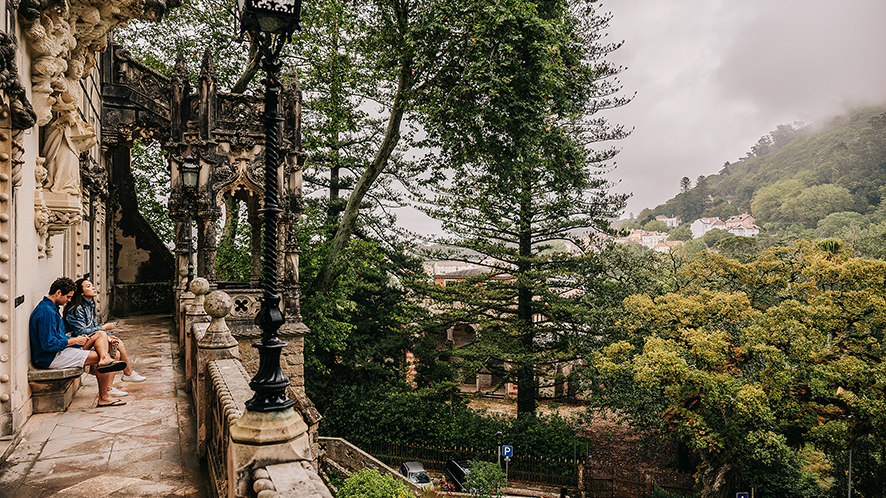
[[344, 457], [248, 454]]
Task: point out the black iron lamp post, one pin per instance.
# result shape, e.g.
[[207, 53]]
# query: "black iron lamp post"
[[189, 171], [271, 24]]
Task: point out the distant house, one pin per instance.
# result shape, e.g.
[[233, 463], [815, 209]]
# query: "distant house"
[[702, 226], [742, 225], [670, 222], [668, 245], [459, 275], [642, 237], [652, 239]]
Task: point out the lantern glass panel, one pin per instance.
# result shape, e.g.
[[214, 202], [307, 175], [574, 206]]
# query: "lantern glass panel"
[[269, 16]]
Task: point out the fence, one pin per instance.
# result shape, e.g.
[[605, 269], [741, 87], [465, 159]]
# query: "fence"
[[597, 482], [527, 469], [616, 483]]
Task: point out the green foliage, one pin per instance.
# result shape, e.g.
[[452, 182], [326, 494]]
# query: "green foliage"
[[682, 232], [362, 326], [756, 365], [196, 26], [513, 135], [486, 479], [802, 176], [370, 483], [151, 174], [712, 237], [845, 224], [373, 414], [656, 226], [234, 257]]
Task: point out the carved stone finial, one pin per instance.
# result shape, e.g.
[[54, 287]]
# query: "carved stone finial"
[[180, 73], [218, 304], [207, 69], [218, 336], [199, 287]]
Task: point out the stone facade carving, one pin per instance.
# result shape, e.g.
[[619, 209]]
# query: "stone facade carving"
[[63, 37], [22, 113], [95, 176], [66, 137]]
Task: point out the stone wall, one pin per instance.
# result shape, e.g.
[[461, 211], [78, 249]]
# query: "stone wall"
[[246, 452]]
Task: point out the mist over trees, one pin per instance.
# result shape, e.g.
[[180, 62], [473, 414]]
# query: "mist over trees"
[[796, 176]]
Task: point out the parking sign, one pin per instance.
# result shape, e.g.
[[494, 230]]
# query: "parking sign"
[[507, 451]]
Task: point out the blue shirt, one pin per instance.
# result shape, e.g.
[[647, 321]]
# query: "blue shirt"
[[47, 331], [82, 320]]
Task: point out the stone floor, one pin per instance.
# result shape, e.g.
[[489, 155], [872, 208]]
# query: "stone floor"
[[145, 448]]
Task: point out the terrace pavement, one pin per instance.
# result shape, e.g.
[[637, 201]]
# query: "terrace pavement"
[[144, 448]]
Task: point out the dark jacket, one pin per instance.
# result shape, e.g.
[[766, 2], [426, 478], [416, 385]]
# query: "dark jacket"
[[47, 331]]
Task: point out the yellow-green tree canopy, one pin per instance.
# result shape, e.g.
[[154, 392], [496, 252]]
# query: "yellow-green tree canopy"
[[757, 366]]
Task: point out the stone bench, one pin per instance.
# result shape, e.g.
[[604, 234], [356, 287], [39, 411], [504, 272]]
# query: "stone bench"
[[52, 390]]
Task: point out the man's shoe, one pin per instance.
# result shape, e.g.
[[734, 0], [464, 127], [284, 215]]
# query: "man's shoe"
[[117, 392], [135, 377]]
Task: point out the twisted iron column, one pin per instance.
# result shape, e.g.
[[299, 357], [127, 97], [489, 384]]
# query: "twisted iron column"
[[270, 383]]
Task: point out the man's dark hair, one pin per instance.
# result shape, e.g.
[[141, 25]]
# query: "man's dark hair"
[[64, 284]]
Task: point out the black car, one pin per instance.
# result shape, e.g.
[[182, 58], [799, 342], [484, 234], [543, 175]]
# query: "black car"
[[456, 473]]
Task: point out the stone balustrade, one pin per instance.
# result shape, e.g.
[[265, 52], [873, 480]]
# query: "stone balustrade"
[[248, 454]]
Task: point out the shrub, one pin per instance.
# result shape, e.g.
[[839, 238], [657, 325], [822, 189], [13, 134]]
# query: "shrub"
[[369, 483]]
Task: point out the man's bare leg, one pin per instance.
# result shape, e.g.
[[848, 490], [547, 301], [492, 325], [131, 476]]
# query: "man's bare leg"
[[104, 383]]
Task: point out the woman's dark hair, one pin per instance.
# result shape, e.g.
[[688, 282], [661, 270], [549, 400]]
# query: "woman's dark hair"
[[78, 298]]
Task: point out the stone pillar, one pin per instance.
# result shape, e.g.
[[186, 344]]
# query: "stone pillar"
[[208, 246], [292, 362], [216, 344], [259, 439], [194, 315], [185, 300]]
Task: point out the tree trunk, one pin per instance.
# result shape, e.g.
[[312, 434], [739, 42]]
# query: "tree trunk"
[[349, 217], [527, 385], [716, 478], [250, 71]]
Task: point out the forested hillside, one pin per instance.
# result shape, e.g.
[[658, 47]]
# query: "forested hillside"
[[801, 180]]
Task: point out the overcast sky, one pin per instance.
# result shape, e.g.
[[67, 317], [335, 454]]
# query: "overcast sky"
[[713, 76]]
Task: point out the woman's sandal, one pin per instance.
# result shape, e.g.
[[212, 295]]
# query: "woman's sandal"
[[118, 402]]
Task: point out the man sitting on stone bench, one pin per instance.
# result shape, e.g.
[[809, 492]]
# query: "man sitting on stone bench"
[[51, 348]]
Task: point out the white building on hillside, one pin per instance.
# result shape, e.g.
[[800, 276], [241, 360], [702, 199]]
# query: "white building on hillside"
[[702, 226], [742, 225], [670, 222]]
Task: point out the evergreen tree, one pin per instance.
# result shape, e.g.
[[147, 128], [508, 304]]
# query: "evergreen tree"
[[513, 134]]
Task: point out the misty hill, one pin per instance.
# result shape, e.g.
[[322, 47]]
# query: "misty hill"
[[796, 176]]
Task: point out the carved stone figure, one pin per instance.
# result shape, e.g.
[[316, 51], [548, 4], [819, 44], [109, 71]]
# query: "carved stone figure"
[[66, 137]]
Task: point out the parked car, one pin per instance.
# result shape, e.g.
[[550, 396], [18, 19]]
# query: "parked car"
[[456, 473], [415, 472]]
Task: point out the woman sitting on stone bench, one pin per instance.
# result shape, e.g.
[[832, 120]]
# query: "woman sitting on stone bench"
[[51, 348], [81, 319]]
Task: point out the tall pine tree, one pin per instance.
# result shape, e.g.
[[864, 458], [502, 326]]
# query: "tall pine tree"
[[515, 180]]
